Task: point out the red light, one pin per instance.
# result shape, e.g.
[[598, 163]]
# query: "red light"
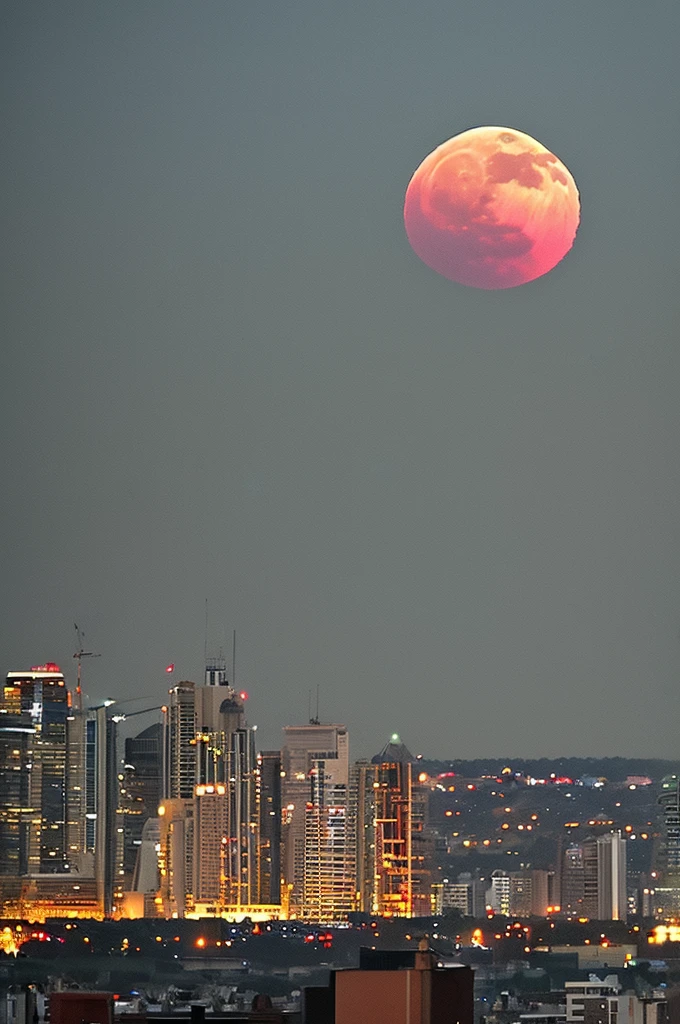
[[49, 666], [243, 695], [170, 668]]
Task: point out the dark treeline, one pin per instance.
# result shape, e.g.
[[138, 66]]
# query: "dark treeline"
[[615, 769]]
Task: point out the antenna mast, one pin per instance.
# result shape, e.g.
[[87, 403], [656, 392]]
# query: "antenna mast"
[[205, 642], [79, 655]]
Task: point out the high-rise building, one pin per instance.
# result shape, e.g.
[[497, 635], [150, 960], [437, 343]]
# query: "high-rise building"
[[41, 695], [242, 862], [108, 822], [176, 856], [210, 840], [612, 895], [303, 746], [213, 855], [572, 881], [594, 878], [179, 743], [269, 762], [498, 893], [530, 892], [76, 810], [328, 887], [467, 895], [142, 786], [50, 834], [16, 813], [199, 722], [394, 847], [670, 802]]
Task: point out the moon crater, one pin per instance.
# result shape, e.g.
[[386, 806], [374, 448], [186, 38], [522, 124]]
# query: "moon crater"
[[491, 208]]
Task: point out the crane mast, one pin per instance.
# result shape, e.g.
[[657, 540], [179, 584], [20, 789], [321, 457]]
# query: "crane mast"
[[79, 655]]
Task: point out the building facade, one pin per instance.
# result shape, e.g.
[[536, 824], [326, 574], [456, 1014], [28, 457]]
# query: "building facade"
[[303, 746]]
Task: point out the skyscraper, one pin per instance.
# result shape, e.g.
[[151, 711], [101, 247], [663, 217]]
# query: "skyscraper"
[[303, 745], [242, 861], [108, 835], [16, 813], [670, 802], [393, 843], [612, 897], [269, 762], [40, 695], [666, 894], [594, 878], [211, 848], [328, 882], [143, 780]]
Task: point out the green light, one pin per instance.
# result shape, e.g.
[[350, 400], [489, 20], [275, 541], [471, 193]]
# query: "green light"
[[395, 737]]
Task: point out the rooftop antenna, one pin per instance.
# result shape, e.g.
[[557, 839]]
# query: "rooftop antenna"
[[205, 642], [79, 655], [315, 720], [233, 661]]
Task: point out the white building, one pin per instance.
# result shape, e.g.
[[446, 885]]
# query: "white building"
[[498, 893], [612, 900]]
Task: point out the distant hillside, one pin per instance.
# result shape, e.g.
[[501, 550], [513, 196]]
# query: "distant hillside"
[[615, 769]]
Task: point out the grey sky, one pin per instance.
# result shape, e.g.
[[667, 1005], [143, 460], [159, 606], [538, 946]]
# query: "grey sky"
[[227, 376]]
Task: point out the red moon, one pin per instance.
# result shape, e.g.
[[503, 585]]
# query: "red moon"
[[491, 208]]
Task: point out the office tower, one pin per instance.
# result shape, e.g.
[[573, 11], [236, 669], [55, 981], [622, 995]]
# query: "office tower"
[[210, 829], [590, 879], [572, 881], [393, 844], [594, 878], [303, 745], [242, 863], [521, 893], [467, 895], [544, 892], [179, 739], [76, 821], [199, 721], [269, 763], [498, 893], [664, 898], [17, 733], [670, 829], [612, 896], [108, 829], [211, 845], [530, 892], [329, 887], [211, 851], [452, 896], [176, 857], [141, 790], [143, 895], [41, 695]]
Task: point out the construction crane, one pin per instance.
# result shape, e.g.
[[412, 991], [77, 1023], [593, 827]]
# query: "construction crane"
[[131, 714], [79, 655]]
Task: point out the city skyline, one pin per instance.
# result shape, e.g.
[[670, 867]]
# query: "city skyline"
[[228, 377]]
